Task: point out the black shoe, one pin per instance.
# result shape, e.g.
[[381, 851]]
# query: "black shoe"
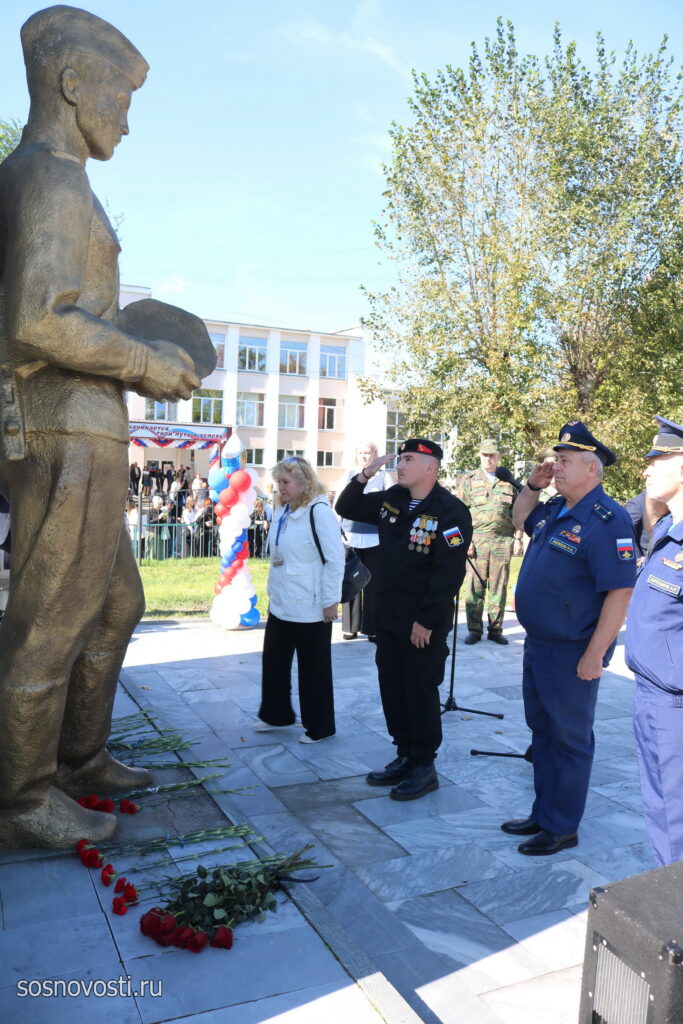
[[498, 638], [521, 827], [394, 772], [349, 636], [472, 638], [546, 843], [372, 639], [422, 779]]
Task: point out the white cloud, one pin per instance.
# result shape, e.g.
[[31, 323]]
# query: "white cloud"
[[314, 32], [172, 286]]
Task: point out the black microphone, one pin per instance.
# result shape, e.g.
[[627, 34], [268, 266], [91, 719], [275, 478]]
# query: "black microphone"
[[503, 473]]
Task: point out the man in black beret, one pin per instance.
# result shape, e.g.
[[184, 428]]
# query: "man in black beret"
[[424, 533]]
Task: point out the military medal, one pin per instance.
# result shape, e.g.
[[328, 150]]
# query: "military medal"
[[673, 565]]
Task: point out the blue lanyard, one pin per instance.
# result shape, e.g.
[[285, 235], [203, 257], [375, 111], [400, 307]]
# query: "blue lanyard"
[[282, 522]]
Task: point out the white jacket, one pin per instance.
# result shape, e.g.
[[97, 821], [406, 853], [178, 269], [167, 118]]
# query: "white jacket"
[[302, 586]]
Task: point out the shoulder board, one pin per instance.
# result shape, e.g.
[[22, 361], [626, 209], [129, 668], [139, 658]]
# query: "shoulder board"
[[602, 512]]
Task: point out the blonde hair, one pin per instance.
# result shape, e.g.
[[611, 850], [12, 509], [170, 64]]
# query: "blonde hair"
[[301, 471]]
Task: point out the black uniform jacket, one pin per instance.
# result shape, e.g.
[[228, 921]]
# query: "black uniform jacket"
[[422, 553]]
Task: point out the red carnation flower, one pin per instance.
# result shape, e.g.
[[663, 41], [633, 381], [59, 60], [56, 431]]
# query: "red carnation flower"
[[106, 805], [119, 905], [108, 873], [149, 922], [81, 846], [222, 938], [90, 802], [128, 807], [121, 883], [92, 858], [130, 893], [197, 942]]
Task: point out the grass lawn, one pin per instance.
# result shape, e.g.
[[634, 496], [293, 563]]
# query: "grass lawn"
[[181, 587]]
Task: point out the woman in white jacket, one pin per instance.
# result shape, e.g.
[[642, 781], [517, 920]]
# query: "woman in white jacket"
[[304, 594]]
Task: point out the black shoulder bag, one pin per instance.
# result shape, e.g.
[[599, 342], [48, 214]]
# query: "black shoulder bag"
[[356, 574]]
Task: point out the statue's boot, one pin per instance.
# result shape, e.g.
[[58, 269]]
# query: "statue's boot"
[[101, 774], [32, 811], [56, 823], [85, 765]]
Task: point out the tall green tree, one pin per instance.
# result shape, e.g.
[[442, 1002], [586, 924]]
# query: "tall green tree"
[[529, 205], [10, 133]]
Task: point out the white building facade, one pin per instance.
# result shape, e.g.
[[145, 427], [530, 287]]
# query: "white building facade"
[[283, 391]]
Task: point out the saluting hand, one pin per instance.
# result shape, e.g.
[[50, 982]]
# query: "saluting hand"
[[374, 466], [542, 474]]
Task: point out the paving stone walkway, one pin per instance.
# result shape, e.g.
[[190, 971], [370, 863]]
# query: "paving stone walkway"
[[427, 912]]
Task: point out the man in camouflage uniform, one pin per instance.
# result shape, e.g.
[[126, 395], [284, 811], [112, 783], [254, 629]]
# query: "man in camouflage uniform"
[[489, 492]]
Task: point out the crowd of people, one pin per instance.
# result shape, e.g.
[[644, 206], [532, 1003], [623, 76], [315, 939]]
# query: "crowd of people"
[[176, 518], [581, 567]]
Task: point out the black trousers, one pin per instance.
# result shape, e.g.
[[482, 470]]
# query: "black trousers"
[[312, 642], [409, 679], [358, 616]]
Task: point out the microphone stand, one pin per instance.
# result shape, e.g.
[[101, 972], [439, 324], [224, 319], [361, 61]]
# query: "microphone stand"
[[450, 704], [527, 755]]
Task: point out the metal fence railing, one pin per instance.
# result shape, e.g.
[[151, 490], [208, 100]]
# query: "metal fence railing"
[[159, 534]]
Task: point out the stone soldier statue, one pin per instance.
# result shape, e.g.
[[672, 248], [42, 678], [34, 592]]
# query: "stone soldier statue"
[[489, 492], [66, 359]]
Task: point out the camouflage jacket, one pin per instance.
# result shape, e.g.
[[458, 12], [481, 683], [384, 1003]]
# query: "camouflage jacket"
[[490, 503]]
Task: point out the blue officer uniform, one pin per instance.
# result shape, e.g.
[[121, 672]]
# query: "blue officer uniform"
[[654, 652], [574, 558]]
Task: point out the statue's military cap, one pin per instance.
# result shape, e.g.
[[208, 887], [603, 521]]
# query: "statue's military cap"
[[668, 440], [421, 445], [575, 436], [56, 34]]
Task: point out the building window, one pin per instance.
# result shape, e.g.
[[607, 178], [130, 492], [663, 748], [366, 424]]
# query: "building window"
[[166, 411], [207, 406], [287, 453], [327, 413], [254, 456], [290, 412], [328, 459], [218, 341], [250, 407], [252, 353], [332, 361], [397, 424], [293, 357]]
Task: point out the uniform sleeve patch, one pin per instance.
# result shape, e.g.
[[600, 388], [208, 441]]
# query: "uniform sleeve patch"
[[624, 549], [453, 537]]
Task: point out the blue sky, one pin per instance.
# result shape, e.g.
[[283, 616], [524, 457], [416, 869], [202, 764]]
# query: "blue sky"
[[252, 173]]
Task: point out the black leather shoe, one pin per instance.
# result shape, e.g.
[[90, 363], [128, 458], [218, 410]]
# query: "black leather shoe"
[[394, 772], [498, 638], [546, 843], [422, 779], [521, 827], [473, 638]]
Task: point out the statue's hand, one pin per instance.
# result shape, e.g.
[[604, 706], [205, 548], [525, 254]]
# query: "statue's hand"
[[170, 373]]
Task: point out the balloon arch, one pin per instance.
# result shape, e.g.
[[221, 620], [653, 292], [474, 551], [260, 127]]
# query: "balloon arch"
[[233, 489]]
